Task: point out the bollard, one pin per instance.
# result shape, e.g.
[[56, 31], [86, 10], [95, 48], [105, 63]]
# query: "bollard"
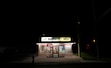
[[33, 58]]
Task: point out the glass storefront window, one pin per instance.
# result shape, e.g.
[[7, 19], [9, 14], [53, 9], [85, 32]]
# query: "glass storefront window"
[[55, 49]]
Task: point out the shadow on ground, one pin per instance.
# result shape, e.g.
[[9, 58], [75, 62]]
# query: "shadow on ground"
[[13, 57], [72, 65]]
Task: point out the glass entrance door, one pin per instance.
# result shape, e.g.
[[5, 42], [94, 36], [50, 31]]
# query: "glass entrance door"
[[55, 51], [61, 50]]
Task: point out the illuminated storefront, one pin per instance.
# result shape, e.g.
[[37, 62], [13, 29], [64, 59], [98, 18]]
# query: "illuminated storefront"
[[55, 46]]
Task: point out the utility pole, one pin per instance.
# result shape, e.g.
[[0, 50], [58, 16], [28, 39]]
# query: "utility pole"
[[97, 48], [96, 39], [78, 35]]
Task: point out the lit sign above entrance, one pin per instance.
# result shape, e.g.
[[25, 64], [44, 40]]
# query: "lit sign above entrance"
[[55, 39]]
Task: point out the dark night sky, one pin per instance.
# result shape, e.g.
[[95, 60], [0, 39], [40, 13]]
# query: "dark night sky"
[[25, 23]]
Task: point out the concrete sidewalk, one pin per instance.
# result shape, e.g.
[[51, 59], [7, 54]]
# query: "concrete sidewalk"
[[42, 58], [68, 59]]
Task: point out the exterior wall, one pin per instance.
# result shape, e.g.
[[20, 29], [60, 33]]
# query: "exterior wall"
[[68, 49]]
